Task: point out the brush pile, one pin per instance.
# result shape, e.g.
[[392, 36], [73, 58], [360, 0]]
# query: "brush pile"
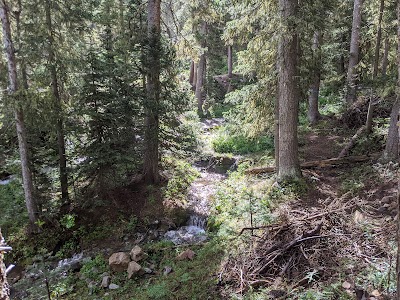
[[356, 115], [303, 247]]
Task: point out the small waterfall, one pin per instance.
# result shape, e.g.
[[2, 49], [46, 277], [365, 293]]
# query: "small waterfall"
[[198, 221]]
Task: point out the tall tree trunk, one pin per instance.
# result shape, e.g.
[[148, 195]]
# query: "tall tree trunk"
[[191, 74], [230, 61], [378, 40], [276, 133], [288, 93], [62, 161], [313, 112], [354, 52], [391, 152], [30, 201], [398, 138], [153, 88], [4, 288], [342, 60], [201, 71], [385, 59]]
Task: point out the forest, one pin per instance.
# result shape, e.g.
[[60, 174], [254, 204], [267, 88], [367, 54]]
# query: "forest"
[[203, 149]]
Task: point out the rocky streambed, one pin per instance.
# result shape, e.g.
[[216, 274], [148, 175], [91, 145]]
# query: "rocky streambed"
[[31, 282]]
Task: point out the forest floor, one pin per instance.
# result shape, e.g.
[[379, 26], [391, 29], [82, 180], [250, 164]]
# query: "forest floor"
[[335, 239], [328, 236]]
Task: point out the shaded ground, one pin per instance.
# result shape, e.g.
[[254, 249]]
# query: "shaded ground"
[[336, 238]]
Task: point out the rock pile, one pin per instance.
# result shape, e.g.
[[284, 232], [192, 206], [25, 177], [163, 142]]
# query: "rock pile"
[[120, 262]]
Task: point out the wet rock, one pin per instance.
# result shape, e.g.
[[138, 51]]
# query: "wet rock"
[[134, 269], [186, 235], [113, 286], [119, 261], [178, 214], [74, 263], [137, 254], [167, 270], [185, 255], [105, 282]]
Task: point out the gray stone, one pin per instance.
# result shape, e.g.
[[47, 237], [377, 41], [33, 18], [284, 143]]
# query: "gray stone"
[[134, 269], [105, 282], [119, 261], [148, 270], [167, 270], [113, 286], [137, 254]]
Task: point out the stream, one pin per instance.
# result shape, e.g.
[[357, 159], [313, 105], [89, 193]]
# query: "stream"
[[212, 171]]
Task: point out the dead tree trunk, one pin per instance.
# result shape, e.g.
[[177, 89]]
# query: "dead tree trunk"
[[153, 89], [354, 53], [30, 201], [378, 40], [62, 160], [313, 112], [288, 93]]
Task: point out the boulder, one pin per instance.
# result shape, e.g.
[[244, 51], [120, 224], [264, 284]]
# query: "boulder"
[[137, 254], [119, 261], [134, 269], [187, 254]]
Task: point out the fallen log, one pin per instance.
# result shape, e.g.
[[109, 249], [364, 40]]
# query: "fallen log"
[[333, 162], [352, 142]]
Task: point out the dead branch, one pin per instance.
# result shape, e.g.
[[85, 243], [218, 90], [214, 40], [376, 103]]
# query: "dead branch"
[[326, 163]]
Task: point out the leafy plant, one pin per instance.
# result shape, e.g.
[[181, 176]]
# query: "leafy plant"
[[240, 144], [68, 221]]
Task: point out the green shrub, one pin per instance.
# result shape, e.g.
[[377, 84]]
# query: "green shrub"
[[240, 144], [13, 210], [182, 175]]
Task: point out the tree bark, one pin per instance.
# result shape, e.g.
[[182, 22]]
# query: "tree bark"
[[201, 70], [354, 52], [391, 152], [288, 92], [4, 287], [191, 74], [385, 59], [62, 161], [378, 40], [276, 130], [30, 201], [230, 61], [153, 90], [313, 112]]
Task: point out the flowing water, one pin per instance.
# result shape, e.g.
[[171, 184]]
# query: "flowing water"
[[201, 192]]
